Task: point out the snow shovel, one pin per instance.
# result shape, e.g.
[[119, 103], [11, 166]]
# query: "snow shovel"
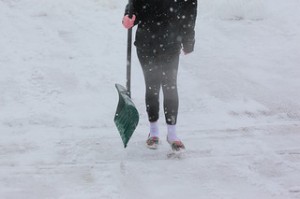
[[127, 116]]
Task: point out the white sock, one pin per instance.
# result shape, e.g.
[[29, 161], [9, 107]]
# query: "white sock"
[[154, 131], [172, 133]]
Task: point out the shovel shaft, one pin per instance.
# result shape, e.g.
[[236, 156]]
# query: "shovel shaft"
[[129, 43], [128, 82]]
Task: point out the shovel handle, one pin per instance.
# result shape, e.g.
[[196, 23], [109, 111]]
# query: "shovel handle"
[[129, 42]]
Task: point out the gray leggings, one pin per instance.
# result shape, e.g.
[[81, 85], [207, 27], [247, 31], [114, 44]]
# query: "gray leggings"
[[160, 71]]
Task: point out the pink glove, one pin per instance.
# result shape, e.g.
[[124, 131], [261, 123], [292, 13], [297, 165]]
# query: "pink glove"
[[185, 53], [127, 22]]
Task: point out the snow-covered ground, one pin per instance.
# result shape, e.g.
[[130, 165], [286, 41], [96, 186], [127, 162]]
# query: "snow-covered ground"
[[239, 104]]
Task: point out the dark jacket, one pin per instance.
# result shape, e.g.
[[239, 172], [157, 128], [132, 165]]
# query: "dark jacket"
[[165, 25]]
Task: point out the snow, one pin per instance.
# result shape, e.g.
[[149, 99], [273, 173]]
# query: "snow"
[[239, 104]]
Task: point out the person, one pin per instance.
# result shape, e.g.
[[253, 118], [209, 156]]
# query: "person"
[[164, 29]]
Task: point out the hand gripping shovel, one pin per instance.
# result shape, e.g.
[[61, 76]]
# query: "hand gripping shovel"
[[127, 116]]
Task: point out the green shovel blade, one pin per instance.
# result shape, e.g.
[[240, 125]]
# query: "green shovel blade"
[[127, 116]]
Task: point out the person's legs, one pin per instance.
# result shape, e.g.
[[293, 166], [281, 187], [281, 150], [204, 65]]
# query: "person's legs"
[[161, 71]]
